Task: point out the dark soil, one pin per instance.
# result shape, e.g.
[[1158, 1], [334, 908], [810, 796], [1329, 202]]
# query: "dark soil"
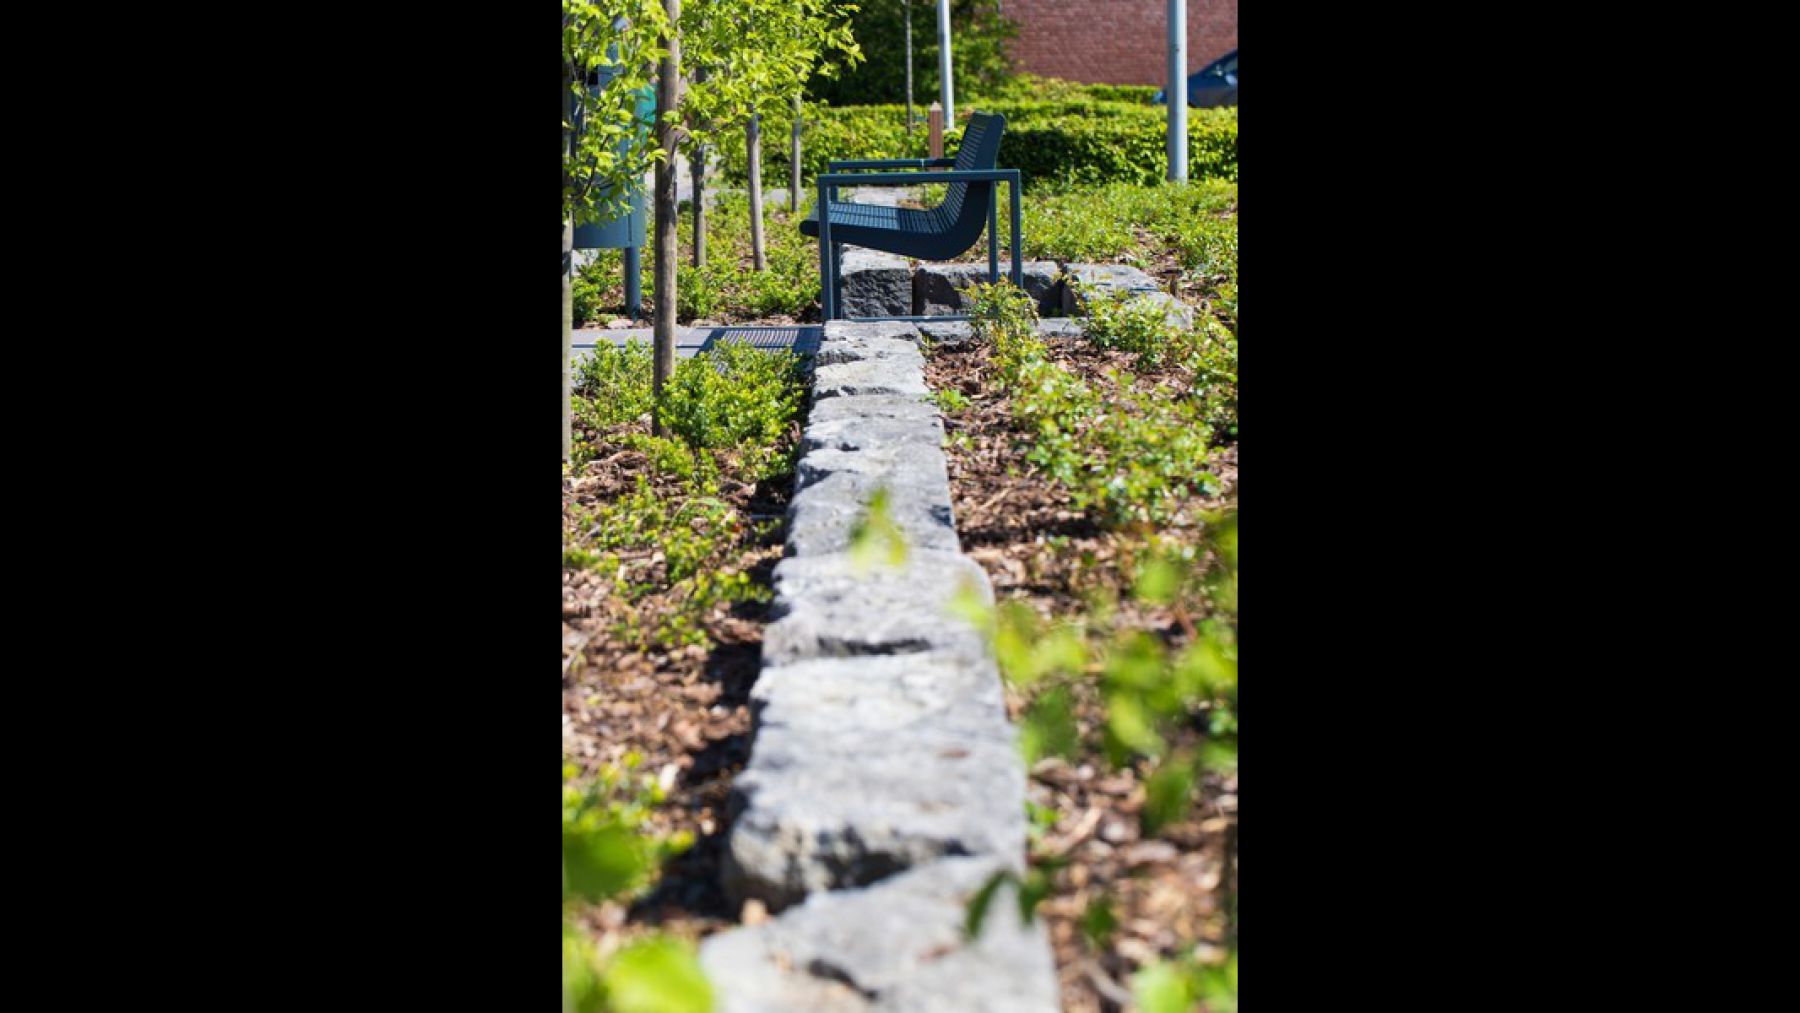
[[685, 710], [1165, 892]]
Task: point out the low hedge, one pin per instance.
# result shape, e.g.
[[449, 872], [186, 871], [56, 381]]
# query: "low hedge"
[[1059, 142], [1125, 145]]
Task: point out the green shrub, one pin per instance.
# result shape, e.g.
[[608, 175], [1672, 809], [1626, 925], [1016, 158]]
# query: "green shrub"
[[735, 394], [1054, 142], [1115, 143], [612, 385]]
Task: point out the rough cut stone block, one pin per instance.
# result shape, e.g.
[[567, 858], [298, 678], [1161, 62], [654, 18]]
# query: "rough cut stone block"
[[895, 946], [885, 196], [825, 606], [937, 288], [869, 376], [1176, 312], [823, 516], [823, 810], [1103, 278], [1061, 327], [915, 464], [893, 695], [948, 334], [855, 330], [870, 406], [876, 284], [872, 431], [833, 352]]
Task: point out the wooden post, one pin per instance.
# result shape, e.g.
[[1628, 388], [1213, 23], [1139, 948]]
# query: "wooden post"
[[753, 149], [668, 97], [934, 119]]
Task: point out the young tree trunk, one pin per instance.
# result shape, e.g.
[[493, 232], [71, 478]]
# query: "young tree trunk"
[[697, 169], [568, 328], [668, 96], [794, 163], [568, 266], [753, 145]]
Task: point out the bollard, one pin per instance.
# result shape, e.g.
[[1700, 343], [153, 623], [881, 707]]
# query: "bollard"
[[935, 122]]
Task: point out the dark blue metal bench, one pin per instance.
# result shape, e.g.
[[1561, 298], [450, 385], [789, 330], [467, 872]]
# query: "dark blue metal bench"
[[940, 233]]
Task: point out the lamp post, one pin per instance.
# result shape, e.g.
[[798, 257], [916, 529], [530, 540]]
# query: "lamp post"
[[945, 88], [1177, 91], [907, 10]]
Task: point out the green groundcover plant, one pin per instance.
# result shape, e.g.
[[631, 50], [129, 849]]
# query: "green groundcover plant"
[[730, 413], [1134, 460]]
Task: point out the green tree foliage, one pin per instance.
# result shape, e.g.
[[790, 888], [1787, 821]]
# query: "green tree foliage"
[[613, 149], [978, 40]]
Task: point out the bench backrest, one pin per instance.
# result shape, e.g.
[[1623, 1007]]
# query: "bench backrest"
[[980, 149]]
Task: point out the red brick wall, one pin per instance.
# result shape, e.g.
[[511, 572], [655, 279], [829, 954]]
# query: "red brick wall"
[[1114, 41]]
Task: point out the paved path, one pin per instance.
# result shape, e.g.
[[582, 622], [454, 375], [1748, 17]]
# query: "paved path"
[[803, 338]]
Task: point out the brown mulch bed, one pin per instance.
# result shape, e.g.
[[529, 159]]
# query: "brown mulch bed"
[[685, 710], [1165, 892]]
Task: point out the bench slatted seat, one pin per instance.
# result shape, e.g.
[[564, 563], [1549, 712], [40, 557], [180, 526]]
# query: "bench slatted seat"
[[939, 233]]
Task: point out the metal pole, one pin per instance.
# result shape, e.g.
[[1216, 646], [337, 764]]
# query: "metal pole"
[[634, 283], [1177, 92], [946, 89], [909, 93]]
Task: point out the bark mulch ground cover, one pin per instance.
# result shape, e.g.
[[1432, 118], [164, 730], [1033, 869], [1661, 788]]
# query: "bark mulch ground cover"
[[682, 708], [1159, 893]]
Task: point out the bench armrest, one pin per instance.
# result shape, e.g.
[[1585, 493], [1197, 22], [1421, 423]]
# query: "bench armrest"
[[909, 178], [886, 163]]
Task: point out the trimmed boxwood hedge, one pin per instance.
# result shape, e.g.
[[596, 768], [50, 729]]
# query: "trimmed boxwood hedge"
[[1057, 142]]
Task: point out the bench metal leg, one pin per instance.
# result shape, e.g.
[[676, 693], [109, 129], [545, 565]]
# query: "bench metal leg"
[[1018, 266], [994, 235], [826, 273], [837, 276]]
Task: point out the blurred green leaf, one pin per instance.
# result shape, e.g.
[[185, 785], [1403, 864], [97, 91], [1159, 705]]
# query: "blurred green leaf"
[[1218, 986], [1037, 885], [1098, 922], [1158, 581], [1137, 660], [657, 976], [968, 605], [582, 991], [876, 540], [1048, 727], [599, 861], [981, 902], [1163, 988], [1130, 728], [1168, 793]]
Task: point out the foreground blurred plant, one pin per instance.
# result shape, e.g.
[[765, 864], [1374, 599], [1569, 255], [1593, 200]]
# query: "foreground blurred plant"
[[608, 853]]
